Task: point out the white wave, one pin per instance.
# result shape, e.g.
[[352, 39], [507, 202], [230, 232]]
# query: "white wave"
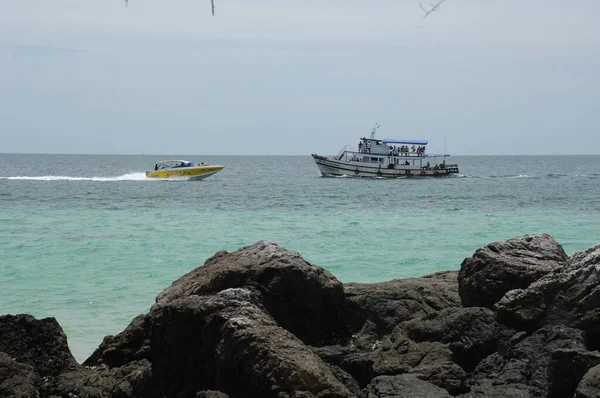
[[124, 177], [522, 176]]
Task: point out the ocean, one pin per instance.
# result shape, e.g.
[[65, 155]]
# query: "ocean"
[[89, 240]]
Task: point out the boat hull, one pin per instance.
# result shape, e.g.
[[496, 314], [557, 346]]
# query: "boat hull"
[[185, 173], [330, 167]]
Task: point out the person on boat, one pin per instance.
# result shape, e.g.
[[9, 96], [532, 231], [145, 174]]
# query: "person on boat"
[[360, 145], [156, 167], [413, 148]]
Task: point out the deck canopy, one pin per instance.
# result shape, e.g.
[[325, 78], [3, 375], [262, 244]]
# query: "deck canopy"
[[406, 142]]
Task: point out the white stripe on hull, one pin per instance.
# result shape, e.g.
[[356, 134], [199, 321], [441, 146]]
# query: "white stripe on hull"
[[330, 167], [198, 177]]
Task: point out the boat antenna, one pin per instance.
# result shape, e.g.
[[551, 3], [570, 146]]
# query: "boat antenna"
[[444, 144], [377, 125]]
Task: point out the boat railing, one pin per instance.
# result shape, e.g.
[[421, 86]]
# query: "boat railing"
[[346, 148]]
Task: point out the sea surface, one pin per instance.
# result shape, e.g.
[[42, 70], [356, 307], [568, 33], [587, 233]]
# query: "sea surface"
[[89, 240]]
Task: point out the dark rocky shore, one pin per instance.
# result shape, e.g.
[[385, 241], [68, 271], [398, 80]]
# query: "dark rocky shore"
[[520, 319]]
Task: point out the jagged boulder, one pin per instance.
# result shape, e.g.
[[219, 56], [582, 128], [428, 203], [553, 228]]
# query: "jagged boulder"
[[376, 308], [431, 360], [500, 267], [132, 344], [41, 343], [524, 366], [403, 386], [303, 298], [567, 368], [569, 296], [589, 386], [470, 333], [17, 380], [201, 343], [37, 362]]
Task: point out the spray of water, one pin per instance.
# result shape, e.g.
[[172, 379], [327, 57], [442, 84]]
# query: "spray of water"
[[124, 177]]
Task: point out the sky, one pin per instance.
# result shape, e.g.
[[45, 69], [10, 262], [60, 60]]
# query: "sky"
[[295, 77]]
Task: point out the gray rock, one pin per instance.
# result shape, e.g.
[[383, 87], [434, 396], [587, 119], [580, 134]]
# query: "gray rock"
[[382, 306], [471, 333], [17, 380], [405, 386], [567, 368], [132, 344], [211, 343], [211, 394], [503, 266], [589, 386], [303, 298], [41, 343], [524, 365], [570, 296]]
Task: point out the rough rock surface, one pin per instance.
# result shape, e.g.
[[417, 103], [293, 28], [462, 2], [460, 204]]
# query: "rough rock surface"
[[470, 333], [503, 266], [17, 380], [210, 343], [261, 321], [524, 364], [589, 386], [403, 386], [570, 296], [305, 299], [379, 307]]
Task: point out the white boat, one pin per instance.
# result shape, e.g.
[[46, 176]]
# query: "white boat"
[[385, 158], [182, 170]]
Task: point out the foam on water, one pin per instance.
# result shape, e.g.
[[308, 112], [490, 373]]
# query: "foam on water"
[[124, 177]]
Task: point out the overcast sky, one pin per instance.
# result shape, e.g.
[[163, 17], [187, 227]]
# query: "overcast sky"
[[297, 77]]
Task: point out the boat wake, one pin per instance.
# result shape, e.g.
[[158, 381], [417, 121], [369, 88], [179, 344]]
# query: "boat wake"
[[124, 177]]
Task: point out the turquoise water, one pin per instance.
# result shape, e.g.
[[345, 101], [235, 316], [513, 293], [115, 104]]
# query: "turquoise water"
[[89, 240]]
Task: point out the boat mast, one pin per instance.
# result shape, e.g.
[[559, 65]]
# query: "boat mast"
[[377, 125]]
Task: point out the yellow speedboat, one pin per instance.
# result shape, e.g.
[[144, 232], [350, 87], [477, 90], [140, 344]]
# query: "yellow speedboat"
[[182, 170]]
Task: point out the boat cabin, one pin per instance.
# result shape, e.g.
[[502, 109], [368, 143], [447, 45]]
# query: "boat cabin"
[[393, 154], [172, 164]]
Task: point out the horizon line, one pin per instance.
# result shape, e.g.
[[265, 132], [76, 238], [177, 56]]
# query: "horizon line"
[[249, 155]]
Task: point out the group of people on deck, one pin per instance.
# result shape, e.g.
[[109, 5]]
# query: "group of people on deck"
[[441, 166], [404, 150], [182, 164]]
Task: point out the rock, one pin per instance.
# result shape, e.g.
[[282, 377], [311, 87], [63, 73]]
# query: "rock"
[[432, 361], [358, 364], [303, 298], [211, 394], [38, 362], [409, 386], [523, 366], [346, 379], [570, 296], [17, 380], [503, 266], [471, 333], [203, 343], [386, 304], [589, 386], [40, 343], [132, 344], [567, 368]]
